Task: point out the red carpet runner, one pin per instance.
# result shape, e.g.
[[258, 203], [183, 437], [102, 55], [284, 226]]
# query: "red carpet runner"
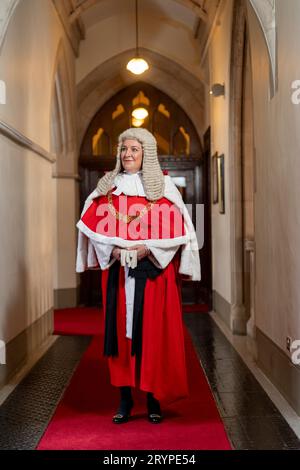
[[82, 420]]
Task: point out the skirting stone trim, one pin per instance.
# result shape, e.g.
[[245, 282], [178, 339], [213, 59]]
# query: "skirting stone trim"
[[222, 307], [20, 348], [23, 141], [279, 369], [64, 298]]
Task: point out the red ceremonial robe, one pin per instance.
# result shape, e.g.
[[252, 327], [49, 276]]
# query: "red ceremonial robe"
[[161, 368]]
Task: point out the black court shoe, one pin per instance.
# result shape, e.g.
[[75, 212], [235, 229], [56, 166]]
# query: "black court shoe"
[[126, 405], [122, 415], [154, 418], [154, 411]]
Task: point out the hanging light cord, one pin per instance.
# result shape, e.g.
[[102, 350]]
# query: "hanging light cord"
[[137, 28]]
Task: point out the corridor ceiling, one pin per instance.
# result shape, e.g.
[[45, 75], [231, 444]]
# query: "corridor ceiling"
[[176, 9], [173, 37], [196, 18]]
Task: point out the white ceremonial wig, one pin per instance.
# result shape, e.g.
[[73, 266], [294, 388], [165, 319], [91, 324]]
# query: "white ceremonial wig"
[[152, 175]]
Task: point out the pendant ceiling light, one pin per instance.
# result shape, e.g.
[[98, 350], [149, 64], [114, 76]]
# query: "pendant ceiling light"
[[137, 122], [137, 65], [139, 113]]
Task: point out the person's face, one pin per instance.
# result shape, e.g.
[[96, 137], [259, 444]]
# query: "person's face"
[[131, 155]]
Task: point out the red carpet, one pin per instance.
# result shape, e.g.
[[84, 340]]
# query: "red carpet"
[[82, 420], [78, 321], [87, 321]]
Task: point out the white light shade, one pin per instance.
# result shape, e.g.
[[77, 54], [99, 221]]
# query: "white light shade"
[[137, 122], [139, 113], [137, 66]]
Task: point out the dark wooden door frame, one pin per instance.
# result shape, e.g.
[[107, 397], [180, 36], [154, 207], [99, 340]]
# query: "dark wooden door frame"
[[207, 213]]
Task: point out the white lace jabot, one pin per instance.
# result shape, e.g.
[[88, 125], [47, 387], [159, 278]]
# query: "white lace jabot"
[[129, 183]]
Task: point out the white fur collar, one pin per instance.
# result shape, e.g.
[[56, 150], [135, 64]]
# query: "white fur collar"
[[189, 262]]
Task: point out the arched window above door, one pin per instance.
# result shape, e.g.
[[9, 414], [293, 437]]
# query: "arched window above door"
[[101, 142], [172, 128], [181, 142]]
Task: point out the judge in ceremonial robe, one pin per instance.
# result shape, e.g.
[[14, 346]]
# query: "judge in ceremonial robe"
[[135, 228]]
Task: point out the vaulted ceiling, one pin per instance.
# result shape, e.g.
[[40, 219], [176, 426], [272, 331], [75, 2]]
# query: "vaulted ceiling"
[[196, 17], [173, 37], [199, 8]]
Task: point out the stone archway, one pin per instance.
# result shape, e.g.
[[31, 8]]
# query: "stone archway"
[[65, 180], [108, 79], [265, 12], [238, 317], [6, 12]]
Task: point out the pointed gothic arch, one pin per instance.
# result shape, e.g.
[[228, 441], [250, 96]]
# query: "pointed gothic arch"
[[7, 10]]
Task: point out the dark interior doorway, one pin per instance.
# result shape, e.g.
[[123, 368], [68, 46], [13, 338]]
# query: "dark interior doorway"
[[180, 153]]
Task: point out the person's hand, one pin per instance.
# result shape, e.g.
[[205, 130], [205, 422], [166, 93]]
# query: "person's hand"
[[116, 253], [142, 251]]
